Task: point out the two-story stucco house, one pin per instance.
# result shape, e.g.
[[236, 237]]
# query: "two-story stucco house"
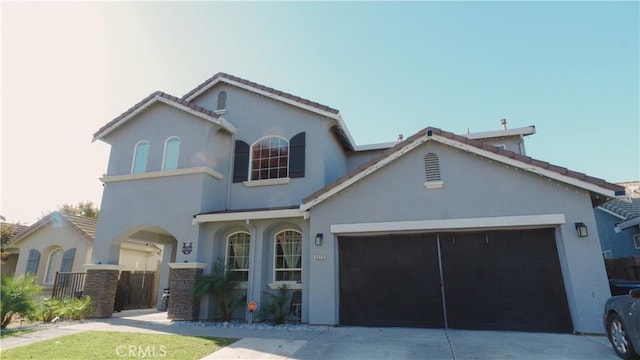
[[438, 230]]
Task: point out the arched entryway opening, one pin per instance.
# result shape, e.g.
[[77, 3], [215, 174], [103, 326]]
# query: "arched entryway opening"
[[143, 261]]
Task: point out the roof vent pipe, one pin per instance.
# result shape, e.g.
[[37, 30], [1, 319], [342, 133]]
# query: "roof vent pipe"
[[504, 124]]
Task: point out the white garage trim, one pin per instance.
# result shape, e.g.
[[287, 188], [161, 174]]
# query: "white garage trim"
[[465, 223]]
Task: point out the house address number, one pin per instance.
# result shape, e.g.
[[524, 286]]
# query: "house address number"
[[320, 257]]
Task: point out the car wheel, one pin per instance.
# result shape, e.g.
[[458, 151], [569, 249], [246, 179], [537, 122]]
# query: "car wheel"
[[619, 339]]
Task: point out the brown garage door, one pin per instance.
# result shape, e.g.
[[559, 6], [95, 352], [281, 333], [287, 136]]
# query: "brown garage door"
[[506, 280], [390, 280]]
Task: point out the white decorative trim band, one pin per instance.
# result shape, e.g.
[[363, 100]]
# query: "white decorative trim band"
[[160, 174], [187, 265], [249, 215], [267, 182], [464, 223], [101, 267]]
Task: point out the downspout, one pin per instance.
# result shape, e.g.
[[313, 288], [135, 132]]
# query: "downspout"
[[252, 261], [230, 172]]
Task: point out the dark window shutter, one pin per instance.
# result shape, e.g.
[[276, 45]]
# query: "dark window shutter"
[[241, 162], [67, 260], [34, 260], [297, 146]]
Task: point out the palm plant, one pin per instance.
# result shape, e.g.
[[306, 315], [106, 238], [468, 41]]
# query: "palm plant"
[[223, 287], [276, 306], [17, 297]]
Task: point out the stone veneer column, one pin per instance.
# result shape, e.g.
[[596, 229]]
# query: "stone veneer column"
[[100, 283], [182, 305]]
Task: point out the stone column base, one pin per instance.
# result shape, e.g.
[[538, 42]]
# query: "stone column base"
[[100, 284], [182, 305]]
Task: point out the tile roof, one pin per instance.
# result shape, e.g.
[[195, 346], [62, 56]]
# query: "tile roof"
[[472, 142], [83, 225], [142, 102], [222, 76], [18, 228], [627, 208]]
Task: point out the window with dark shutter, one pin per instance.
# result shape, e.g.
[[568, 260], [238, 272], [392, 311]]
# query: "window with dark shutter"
[[67, 260], [297, 146], [34, 260], [241, 162], [222, 100]]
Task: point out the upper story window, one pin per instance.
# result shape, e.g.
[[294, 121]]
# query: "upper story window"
[[140, 155], [53, 266], [288, 256], [222, 100], [238, 245], [270, 159], [171, 152]]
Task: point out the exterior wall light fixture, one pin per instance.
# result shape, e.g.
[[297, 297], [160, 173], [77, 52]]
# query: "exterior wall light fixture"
[[581, 229], [319, 239]]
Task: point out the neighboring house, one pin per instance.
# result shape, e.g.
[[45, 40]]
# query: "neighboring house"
[[438, 230], [619, 225], [64, 243], [9, 259]]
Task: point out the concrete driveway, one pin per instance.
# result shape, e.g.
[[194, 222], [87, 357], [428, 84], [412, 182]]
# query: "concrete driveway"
[[401, 343], [349, 342]]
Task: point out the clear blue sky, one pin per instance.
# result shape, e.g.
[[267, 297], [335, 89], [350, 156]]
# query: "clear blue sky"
[[569, 68]]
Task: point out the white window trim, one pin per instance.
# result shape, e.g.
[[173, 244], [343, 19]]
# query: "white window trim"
[[251, 162], [607, 254], [164, 152], [135, 153], [290, 284], [636, 241], [433, 184], [267, 182], [226, 256], [46, 271]]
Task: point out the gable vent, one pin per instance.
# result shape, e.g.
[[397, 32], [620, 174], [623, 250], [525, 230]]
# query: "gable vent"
[[432, 167], [222, 100]]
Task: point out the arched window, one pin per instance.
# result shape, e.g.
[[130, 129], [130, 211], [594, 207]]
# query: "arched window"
[[270, 158], [171, 152], [53, 266], [222, 100], [238, 246], [288, 256], [140, 155]]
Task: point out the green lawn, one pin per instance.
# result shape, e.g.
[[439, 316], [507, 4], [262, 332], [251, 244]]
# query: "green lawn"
[[119, 345], [10, 332]]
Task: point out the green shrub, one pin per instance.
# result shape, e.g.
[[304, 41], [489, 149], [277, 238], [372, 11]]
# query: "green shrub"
[[79, 308], [276, 306], [223, 287], [17, 297], [47, 310], [68, 308]]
